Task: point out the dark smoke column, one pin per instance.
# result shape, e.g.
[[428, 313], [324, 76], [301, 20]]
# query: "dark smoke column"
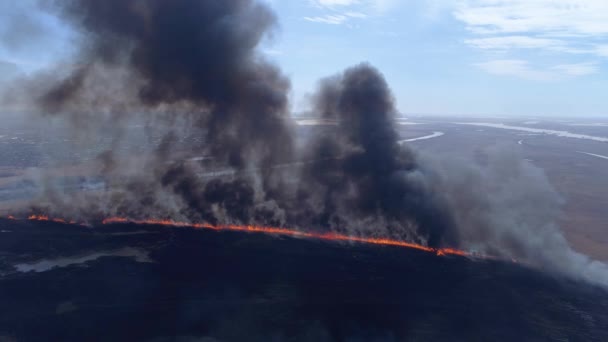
[[374, 176], [192, 61], [194, 58], [196, 61]]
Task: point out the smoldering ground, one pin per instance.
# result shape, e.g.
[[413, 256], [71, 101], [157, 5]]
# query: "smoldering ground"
[[193, 68]]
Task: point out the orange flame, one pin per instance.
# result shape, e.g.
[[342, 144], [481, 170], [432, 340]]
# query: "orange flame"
[[295, 233], [38, 218], [45, 218], [274, 231]]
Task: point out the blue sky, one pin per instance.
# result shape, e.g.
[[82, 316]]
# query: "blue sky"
[[497, 57], [480, 57]]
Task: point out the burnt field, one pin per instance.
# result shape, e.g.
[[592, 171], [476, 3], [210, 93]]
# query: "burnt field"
[[134, 282]]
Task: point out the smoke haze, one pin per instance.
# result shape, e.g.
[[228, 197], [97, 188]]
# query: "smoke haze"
[[192, 69]]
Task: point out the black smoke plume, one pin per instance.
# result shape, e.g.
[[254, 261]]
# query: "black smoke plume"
[[196, 62], [195, 56], [366, 174], [192, 62], [224, 146]]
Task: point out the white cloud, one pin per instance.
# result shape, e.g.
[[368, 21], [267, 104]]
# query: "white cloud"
[[524, 70], [356, 15], [328, 19], [555, 17], [333, 3], [509, 42], [560, 26], [340, 11], [377, 5]]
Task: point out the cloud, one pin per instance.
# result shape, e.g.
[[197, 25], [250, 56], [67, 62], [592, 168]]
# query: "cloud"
[[377, 5], [524, 70], [337, 12], [567, 26], [555, 17], [328, 19], [510, 42], [506, 43], [356, 15], [333, 3], [571, 27]]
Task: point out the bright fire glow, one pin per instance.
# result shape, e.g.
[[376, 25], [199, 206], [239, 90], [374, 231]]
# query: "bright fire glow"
[[45, 218], [278, 231], [274, 231]]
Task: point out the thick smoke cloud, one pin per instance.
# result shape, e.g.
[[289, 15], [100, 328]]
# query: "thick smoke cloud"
[[196, 61], [184, 64], [190, 71], [506, 206], [369, 174], [196, 56]]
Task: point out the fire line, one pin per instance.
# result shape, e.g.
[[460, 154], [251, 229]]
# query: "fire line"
[[273, 231]]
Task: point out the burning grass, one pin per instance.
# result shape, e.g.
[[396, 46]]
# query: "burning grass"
[[328, 236]]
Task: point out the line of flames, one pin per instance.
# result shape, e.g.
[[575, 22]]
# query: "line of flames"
[[271, 230]]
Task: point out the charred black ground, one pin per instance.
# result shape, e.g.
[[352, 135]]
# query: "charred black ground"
[[233, 286]]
